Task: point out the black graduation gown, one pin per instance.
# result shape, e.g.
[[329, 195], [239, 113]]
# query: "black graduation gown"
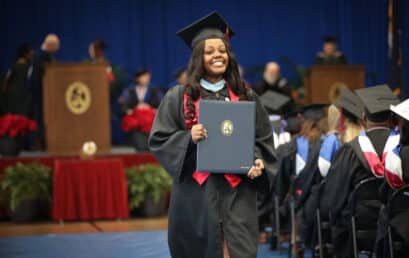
[[197, 212], [17, 92], [307, 177], [348, 168], [399, 223], [288, 183], [39, 65]]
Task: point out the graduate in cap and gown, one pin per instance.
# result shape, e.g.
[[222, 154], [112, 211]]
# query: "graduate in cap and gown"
[[210, 215], [276, 105], [362, 158], [298, 165], [344, 124], [396, 176]]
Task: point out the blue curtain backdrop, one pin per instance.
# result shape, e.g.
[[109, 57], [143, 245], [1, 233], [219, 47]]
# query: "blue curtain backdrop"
[[142, 33], [404, 19]]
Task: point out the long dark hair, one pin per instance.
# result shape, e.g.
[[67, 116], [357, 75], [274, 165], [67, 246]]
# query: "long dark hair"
[[196, 71], [404, 134]]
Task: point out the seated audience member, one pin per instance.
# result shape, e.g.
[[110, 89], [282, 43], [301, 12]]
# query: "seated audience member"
[[272, 81], [277, 105], [345, 123], [140, 93], [16, 84], [330, 53], [396, 176], [355, 161], [298, 169]]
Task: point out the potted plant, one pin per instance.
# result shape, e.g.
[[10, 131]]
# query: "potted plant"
[[13, 128], [148, 186], [137, 125], [28, 191]]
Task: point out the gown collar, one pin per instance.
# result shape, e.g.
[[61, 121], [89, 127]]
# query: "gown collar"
[[213, 87]]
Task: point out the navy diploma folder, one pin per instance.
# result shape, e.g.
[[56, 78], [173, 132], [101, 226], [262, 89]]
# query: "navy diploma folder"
[[229, 146]]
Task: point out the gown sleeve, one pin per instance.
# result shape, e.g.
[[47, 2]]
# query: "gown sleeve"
[[169, 140], [338, 183], [264, 146]]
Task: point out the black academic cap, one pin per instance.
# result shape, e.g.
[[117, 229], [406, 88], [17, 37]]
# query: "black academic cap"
[[274, 102], [377, 100], [350, 102], [314, 111], [293, 121], [211, 26]]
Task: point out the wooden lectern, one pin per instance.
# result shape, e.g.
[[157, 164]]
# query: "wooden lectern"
[[76, 108], [322, 79]]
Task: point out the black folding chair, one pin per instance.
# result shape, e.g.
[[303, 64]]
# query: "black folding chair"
[[324, 247], [398, 204], [275, 238], [366, 194]]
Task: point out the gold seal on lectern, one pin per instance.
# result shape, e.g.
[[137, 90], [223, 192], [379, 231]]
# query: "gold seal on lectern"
[[227, 127], [78, 98]]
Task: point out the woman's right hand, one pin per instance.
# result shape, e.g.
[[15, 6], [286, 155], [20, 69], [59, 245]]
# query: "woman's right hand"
[[198, 133]]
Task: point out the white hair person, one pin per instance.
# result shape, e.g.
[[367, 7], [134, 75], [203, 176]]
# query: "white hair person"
[[51, 43]]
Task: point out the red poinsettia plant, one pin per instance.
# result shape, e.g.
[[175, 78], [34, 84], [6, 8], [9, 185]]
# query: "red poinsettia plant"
[[141, 119], [16, 125]]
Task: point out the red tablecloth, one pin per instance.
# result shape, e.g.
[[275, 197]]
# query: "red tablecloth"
[[89, 189]]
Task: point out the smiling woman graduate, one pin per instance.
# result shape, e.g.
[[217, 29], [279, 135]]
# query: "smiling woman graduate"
[[211, 215]]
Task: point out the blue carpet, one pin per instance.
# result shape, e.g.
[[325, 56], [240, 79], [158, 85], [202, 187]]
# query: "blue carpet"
[[145, 244]]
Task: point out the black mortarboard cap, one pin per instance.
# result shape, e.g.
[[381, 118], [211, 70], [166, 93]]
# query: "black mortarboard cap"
[[351, 103], [314, 111], [211, 26], [274, 102], [293, 121], [377, 100]]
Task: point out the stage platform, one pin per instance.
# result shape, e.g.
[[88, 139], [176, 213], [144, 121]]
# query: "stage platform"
[[126, 154]]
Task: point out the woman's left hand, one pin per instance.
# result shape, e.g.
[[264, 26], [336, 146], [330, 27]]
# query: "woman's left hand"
[[256, 170]]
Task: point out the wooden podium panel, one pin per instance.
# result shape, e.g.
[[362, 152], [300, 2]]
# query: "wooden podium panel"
[[322, 78], [76, 108]]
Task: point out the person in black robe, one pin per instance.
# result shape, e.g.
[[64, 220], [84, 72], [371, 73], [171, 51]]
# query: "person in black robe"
[[396, 176], [298, 169], [351, 165], [276, 105], [16, 86], [214, 218], [273, 81], [49, 48], [330, 53]]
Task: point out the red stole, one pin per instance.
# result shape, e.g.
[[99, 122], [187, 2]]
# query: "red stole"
[[201, 177]]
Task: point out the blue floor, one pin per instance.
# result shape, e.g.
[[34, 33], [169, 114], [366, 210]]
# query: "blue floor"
[[146, 244]]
